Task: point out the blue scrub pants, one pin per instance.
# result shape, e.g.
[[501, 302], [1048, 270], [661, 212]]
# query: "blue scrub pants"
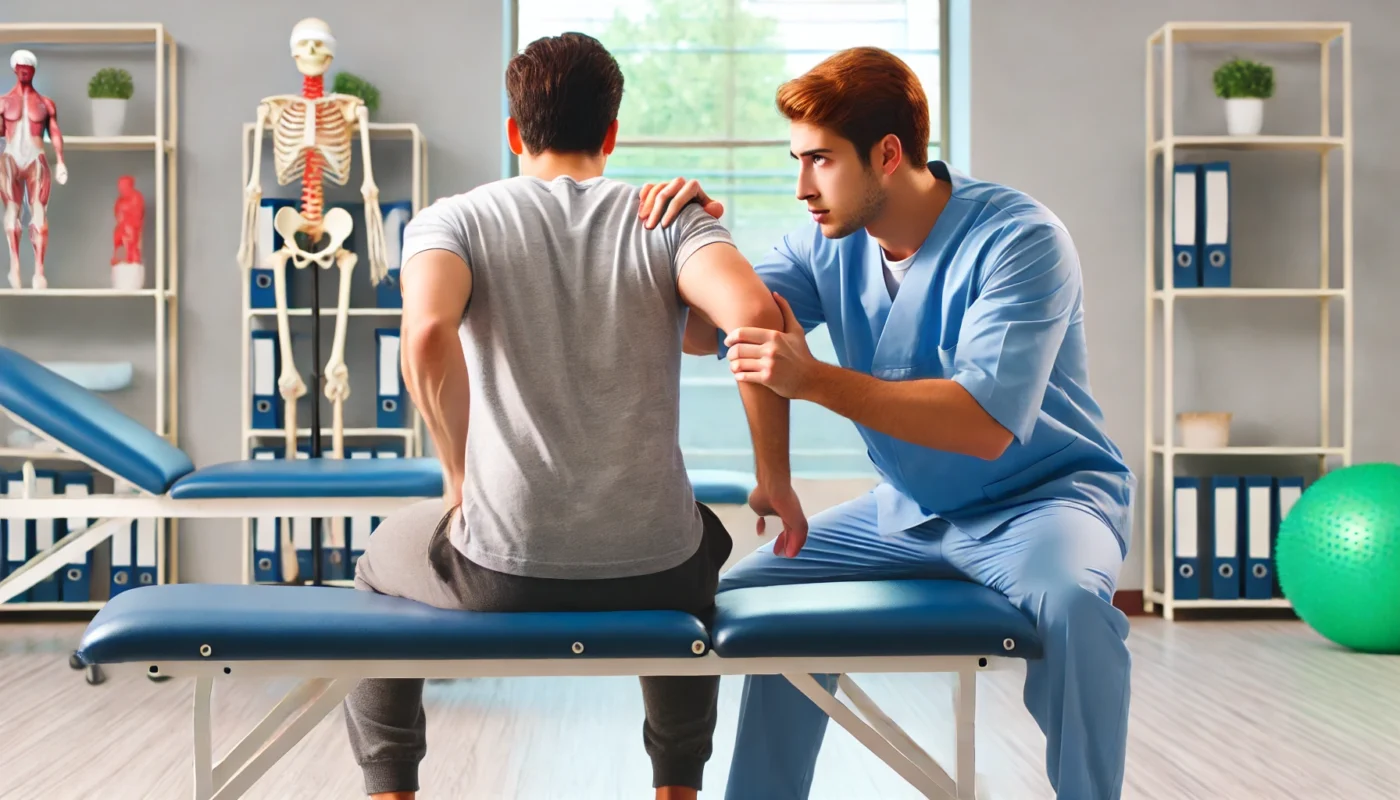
[[1059, 564]]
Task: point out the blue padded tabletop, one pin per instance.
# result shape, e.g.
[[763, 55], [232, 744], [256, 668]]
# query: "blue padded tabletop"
[[88, 424], [314, 477], [870, 618], [309, 623], [721, 486]]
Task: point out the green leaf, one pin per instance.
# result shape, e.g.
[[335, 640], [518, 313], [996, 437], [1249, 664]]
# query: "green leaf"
[[351, 84], [1240, 77], [110, 82]]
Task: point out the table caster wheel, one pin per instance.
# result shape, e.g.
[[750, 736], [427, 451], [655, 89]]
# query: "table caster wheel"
[[75, 663], [94, 675]]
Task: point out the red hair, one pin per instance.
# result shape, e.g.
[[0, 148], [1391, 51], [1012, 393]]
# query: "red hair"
[[864, 94]]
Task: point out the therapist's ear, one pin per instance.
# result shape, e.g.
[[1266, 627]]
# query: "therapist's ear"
[[887, 154]]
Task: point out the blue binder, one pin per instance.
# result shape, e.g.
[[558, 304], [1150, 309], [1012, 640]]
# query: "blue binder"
[[1226, 523], [16, 534], [147, 550], [1287, 490], [267, 536], [1215, 224], [301, 532], [1186, 242], [77, 575], [390, 412], [43, 534], [1257, 515], [123, 570], [266, 362], [357, 529], [262, 290], [396, 216], [1186, 564]]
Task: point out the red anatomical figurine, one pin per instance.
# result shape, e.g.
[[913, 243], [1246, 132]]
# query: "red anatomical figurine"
[[130, 212], [24, 167]]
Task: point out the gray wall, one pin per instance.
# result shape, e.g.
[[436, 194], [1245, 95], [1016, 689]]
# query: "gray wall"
[[1058, 110]]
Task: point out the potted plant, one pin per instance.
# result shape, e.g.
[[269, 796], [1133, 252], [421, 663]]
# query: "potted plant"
[[1244, 85], [351, 84], [109, 90]]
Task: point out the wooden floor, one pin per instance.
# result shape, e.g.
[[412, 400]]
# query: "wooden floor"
[[1220, 710]]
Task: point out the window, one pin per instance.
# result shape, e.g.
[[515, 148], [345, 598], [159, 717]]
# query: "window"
[[701, 76]]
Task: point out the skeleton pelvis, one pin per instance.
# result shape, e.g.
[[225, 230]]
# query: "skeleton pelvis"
[[305, 242]]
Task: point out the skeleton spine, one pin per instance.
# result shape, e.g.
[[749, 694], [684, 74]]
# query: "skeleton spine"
[[312, 196]]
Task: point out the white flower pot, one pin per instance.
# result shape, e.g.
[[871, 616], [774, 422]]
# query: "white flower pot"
[[108, 116], [1244, 116]]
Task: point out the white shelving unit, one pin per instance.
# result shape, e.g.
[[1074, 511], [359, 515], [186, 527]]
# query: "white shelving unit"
[[1162, 297], [257, 437], [162, 253]]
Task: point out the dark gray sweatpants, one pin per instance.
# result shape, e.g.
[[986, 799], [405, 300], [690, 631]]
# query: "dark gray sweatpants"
[[410, 556]]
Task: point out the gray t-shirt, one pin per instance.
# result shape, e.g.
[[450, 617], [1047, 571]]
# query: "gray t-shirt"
[[573, 346]]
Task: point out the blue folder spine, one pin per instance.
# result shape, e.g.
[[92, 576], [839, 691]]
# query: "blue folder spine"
[[1186, 566], [1215, 224], [1226, 522], [1186, 223]]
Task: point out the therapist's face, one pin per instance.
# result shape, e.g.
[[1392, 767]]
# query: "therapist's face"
[[843, 194]]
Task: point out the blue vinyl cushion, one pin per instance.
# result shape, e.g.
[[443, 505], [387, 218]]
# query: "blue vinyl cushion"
[[871, 618], [721, 486], [311, 623], [88, 424], [314, 477], [305, 623]]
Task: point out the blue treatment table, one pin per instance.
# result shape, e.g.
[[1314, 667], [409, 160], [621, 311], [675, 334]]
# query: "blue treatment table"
[[329, 638]]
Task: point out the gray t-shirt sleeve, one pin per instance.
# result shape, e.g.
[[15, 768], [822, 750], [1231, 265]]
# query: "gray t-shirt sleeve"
[[693, 229], [440, 226]]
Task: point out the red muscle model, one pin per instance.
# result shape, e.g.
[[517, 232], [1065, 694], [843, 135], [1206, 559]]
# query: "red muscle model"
[[24, 167]]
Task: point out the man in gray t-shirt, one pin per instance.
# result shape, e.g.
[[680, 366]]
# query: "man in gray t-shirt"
[[542, 331], [572, 341]]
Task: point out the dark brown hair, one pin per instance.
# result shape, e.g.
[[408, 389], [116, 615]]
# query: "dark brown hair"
[[863, 94], [564, 92]]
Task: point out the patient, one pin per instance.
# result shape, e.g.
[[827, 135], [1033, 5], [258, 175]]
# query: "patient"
[[544, 305]]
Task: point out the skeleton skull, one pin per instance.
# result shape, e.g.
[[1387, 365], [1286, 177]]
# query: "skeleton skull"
[[313, 46]]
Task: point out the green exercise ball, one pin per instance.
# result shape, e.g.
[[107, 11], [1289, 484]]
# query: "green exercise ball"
[[1338, 557]]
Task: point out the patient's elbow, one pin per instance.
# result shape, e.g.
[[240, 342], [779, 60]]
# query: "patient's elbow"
[[426, 341], [759, 311]]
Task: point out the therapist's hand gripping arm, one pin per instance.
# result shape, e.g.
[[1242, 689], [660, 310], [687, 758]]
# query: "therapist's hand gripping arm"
[[436, 286], [1008, 343], [719, 284]]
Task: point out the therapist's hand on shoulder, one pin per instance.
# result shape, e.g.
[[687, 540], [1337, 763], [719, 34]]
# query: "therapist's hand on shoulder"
[[662, 202], [779, 360]]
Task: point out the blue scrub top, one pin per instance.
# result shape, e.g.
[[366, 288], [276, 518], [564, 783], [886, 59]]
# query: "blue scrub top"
[[993, 300]]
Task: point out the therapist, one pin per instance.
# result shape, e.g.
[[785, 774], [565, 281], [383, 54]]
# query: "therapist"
[[956, 308]]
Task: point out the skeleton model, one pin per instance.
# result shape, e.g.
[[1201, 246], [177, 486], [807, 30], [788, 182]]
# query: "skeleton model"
[[24, 167], [313, 139]]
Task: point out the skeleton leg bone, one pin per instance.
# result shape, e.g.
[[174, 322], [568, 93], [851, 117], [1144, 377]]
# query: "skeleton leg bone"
[[289, 383]]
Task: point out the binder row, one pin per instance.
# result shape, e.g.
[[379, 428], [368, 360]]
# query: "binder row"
[[266, 358], [262, 293], [134, 551], [1235, 519], [1201, 225], [340, 549]]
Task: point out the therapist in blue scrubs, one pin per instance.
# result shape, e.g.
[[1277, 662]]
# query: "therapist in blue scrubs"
[[956, 308]]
